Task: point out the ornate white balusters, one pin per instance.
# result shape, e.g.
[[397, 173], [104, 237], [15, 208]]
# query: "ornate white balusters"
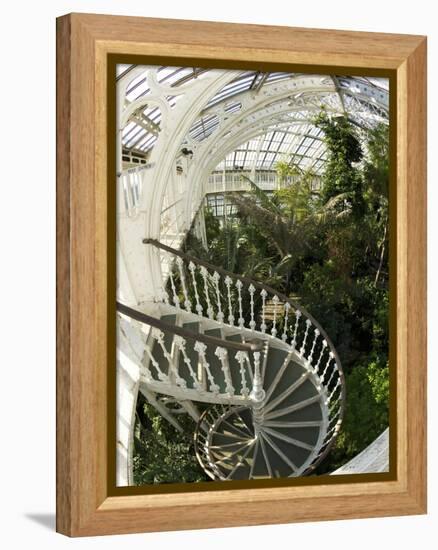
[[180, 343], [228, 283], [180, 264], [324, 346], [157, 334], [174, 293], [204, 274], [334, 416], [263, 294], [242, 358], [239, 286], [330, 397], [329, 360], [200, 349], [334, 371], [251, 290], [315, 338], [287, 307], [332, 428], [222, 354], [198, 307], [297, 320], [257, 394], [159, 337], [275, 301], [216, 278], [303, 347]]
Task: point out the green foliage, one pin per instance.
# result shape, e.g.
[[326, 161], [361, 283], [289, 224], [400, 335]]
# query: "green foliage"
[[368, 391], [285, 169], [340, 175], [212, 226], [161, 453], [327, 247]]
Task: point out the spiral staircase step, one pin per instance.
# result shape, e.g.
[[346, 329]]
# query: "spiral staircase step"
[[232, 447], [282, 464], [308, 435], [299, 391], [260, 467], [233, 429], [298, 455], [287, 435], [311, 412], [291, 376], [275, 360], [246, 416]]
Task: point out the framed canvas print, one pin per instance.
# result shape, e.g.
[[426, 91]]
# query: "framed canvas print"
[[241, 274]]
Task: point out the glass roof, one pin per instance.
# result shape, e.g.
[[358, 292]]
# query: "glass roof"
[[302, 145], [289, 134]]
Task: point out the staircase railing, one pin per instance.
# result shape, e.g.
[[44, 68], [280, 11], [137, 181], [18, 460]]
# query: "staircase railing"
[[248, 354], [256, 345], [198, 287]]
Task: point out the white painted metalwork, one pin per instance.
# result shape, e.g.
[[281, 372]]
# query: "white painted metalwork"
[[263, 326], [228, 283], [323, 348], [222, 353], [238, 379], [294, 337], [204, 274], [197, 131], [312, 350], [180, 343], [239, 286], [216, 278], [174, 294], [201, 348], [242, 359], [198, 306], [303, 347], [275, 301], [251, 290], [187, 302], [287, 308]]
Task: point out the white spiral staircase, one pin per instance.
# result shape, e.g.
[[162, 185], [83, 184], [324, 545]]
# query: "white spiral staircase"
[[263, 369]]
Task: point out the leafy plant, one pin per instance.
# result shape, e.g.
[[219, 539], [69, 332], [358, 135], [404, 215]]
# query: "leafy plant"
[[367, 417], [325, 245], [161, 453]]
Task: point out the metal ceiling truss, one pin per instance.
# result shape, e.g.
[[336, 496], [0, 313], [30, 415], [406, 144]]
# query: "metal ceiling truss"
[[189, 120]]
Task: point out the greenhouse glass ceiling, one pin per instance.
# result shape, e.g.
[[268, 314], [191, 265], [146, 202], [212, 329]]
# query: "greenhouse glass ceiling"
[[281, 130]]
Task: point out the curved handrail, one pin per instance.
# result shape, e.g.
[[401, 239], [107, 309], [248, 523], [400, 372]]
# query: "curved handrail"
[[255, 345], [284, 298], [256, 284]]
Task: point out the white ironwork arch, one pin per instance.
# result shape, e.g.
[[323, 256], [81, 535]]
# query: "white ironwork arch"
[[155, 181], [253, 112], [260, 112]]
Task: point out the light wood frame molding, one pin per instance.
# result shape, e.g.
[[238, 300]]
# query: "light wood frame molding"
[[84, 41]]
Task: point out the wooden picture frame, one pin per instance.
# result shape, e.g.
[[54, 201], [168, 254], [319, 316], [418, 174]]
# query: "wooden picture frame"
[[86, 505]]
